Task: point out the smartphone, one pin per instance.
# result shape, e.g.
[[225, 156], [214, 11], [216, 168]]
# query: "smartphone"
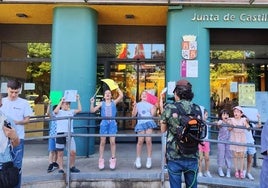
[[7, 124]]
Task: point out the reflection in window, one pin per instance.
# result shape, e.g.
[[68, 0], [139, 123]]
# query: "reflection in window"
[[131, 51]]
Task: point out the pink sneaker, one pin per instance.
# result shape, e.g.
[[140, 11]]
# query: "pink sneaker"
[[242, 176], [112, 163], [101, 164], [237, 174]]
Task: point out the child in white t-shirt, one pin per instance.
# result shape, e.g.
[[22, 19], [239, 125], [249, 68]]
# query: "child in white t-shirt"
[[63, 110]]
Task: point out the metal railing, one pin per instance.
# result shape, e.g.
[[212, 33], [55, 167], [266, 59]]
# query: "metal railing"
[[69, 134]]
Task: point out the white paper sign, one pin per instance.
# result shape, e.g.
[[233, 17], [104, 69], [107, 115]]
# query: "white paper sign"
[[70, 95], [251, 113], [261, 104], [29, 86], [4, 87], [192, 68], [171, 87], [233, 87]]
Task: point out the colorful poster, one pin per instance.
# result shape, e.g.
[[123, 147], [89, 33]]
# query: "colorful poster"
[[183, 68], [246, 94], [151, 98], [189, 47], [55, 97], [111, 83]]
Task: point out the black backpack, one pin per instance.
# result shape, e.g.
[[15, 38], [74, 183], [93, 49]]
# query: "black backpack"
[[9, 174], [191, 131]]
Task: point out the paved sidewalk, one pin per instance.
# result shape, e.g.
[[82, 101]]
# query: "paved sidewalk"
[[35, 165]]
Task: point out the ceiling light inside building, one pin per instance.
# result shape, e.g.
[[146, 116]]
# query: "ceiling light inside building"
[[129, 16], [22, 15]]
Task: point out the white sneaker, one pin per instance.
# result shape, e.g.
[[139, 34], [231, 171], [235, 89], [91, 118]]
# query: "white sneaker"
[[112, 163], [207, 174], [149, 162], [244, 173], [138, 162], [200, 174], [249, 176], [221, 174], [228, 173]]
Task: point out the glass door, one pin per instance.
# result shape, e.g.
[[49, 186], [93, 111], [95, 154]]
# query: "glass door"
[[133, 77]]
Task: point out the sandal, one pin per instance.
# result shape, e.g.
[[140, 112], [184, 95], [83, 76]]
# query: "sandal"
[[237, 174]]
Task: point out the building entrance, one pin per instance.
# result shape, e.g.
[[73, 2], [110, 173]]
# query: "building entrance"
[[133, 77], [236, 59]]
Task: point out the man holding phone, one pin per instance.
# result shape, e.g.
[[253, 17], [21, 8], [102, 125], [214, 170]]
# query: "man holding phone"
[[7, 129], [7, 124], [17, 111]]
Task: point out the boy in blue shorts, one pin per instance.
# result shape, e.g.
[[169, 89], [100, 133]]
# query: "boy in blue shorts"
[[63, 110], [52, 157]]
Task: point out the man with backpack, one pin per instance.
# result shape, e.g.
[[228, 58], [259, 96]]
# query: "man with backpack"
[[183, 122]]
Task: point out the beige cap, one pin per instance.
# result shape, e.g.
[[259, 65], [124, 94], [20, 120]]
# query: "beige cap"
[[238, 108]]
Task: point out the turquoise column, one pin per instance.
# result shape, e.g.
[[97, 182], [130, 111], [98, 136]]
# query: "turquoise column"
[[178, 25], [197, 21], [74, 61]]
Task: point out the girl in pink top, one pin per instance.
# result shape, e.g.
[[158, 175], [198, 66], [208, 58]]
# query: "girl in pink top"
[[238, 135]]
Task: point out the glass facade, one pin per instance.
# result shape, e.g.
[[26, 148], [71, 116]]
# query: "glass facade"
[[135, 67]]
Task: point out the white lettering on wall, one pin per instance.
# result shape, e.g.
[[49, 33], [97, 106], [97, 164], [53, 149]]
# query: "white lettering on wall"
[[229, 17], [205, 17], [254, 18]]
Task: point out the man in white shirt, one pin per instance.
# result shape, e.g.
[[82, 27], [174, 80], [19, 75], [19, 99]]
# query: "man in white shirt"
[[17, 111]]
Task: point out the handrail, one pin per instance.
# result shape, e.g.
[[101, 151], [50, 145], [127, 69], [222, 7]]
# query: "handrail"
[[162, 135]]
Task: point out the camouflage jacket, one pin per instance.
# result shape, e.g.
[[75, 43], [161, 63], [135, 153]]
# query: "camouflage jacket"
[[172, 121]]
